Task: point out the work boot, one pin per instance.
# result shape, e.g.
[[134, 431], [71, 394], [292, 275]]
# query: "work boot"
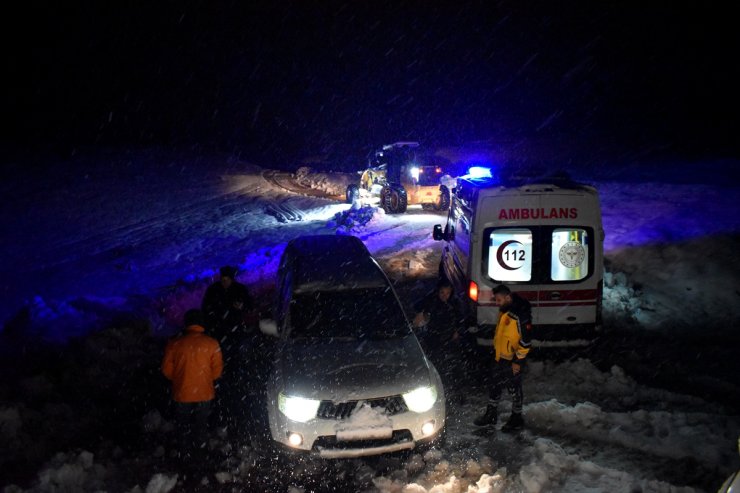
[[515, 422], [489, 418]]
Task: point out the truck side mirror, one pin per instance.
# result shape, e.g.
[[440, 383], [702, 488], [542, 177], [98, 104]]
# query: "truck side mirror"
[[437, 233]]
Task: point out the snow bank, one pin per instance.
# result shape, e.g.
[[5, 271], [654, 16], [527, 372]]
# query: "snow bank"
[[356, 219], [556, 470], [68, 473], [674, 435], [331, 183], [161, 483]]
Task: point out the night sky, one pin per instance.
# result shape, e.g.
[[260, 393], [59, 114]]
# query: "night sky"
[[280, 81]]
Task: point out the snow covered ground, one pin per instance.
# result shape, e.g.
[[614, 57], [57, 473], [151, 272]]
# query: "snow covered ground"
[[103, 253]]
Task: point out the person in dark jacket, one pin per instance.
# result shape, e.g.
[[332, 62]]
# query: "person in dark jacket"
[[439, 323], [225, 304], [231, 319], [192, 362], [511, 343]]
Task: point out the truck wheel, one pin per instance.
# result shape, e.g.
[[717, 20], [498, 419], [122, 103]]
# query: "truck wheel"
[[403, 200], [444, 199], [385, 202], [394, 200], [353, 194]]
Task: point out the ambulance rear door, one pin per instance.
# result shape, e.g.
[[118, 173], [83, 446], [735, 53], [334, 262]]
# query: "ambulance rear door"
[[546, 246]]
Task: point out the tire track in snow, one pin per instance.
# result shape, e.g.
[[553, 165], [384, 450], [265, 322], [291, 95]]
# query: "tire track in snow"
[[287, 182], [284, 212]]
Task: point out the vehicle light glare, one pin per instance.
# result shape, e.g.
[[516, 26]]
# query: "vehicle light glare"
[[421, 399], [298, 408], [473, 291], [427, 428], [295, 439], [415, 173]]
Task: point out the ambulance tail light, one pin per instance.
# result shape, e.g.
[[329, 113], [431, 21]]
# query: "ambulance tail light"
[[473, 291]]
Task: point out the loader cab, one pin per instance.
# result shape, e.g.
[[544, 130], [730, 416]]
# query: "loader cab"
[[396, 160]]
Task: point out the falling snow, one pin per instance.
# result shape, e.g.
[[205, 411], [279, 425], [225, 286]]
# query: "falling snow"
[[100, 271]]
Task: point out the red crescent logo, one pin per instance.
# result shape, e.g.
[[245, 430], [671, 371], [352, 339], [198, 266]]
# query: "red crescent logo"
[[500, 254]]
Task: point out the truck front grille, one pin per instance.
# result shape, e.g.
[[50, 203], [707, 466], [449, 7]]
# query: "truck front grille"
[[342, 410]]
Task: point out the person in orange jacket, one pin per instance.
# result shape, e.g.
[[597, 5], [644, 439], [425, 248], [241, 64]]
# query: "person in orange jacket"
[[193, 361], [511, 343]]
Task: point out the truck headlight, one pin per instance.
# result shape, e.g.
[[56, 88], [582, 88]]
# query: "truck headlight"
[[298, 409], [421, 399]]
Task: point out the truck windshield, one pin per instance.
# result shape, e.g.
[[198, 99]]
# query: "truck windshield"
[[429, 175], [347, 313]]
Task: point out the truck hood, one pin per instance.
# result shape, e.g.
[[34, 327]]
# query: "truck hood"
[[351, 370]]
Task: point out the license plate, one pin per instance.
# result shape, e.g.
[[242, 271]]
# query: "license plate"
[[351, 434]]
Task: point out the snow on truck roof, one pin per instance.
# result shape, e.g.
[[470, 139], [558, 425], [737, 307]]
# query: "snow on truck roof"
[[332, 262], [400, 144]]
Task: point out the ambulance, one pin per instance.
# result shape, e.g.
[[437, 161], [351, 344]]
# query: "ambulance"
[[542, 238]]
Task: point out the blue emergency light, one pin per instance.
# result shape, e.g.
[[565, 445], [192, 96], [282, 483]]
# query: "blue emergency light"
[[477, 172]]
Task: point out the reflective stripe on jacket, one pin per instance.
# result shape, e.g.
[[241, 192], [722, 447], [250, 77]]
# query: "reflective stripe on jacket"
[[193, 361]]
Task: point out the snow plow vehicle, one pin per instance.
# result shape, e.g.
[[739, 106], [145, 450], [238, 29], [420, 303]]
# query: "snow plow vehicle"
[[398, 176]]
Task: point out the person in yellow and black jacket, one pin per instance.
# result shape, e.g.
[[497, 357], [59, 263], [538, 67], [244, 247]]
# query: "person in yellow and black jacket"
[[511, 343]]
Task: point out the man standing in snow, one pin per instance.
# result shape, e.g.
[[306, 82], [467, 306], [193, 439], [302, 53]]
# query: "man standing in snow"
[[193, 361], [439, 320], [225, 303], [511, 343]]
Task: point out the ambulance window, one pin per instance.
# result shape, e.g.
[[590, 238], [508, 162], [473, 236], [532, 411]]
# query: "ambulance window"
[[510, 254], [569, 258], [461, 234]]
